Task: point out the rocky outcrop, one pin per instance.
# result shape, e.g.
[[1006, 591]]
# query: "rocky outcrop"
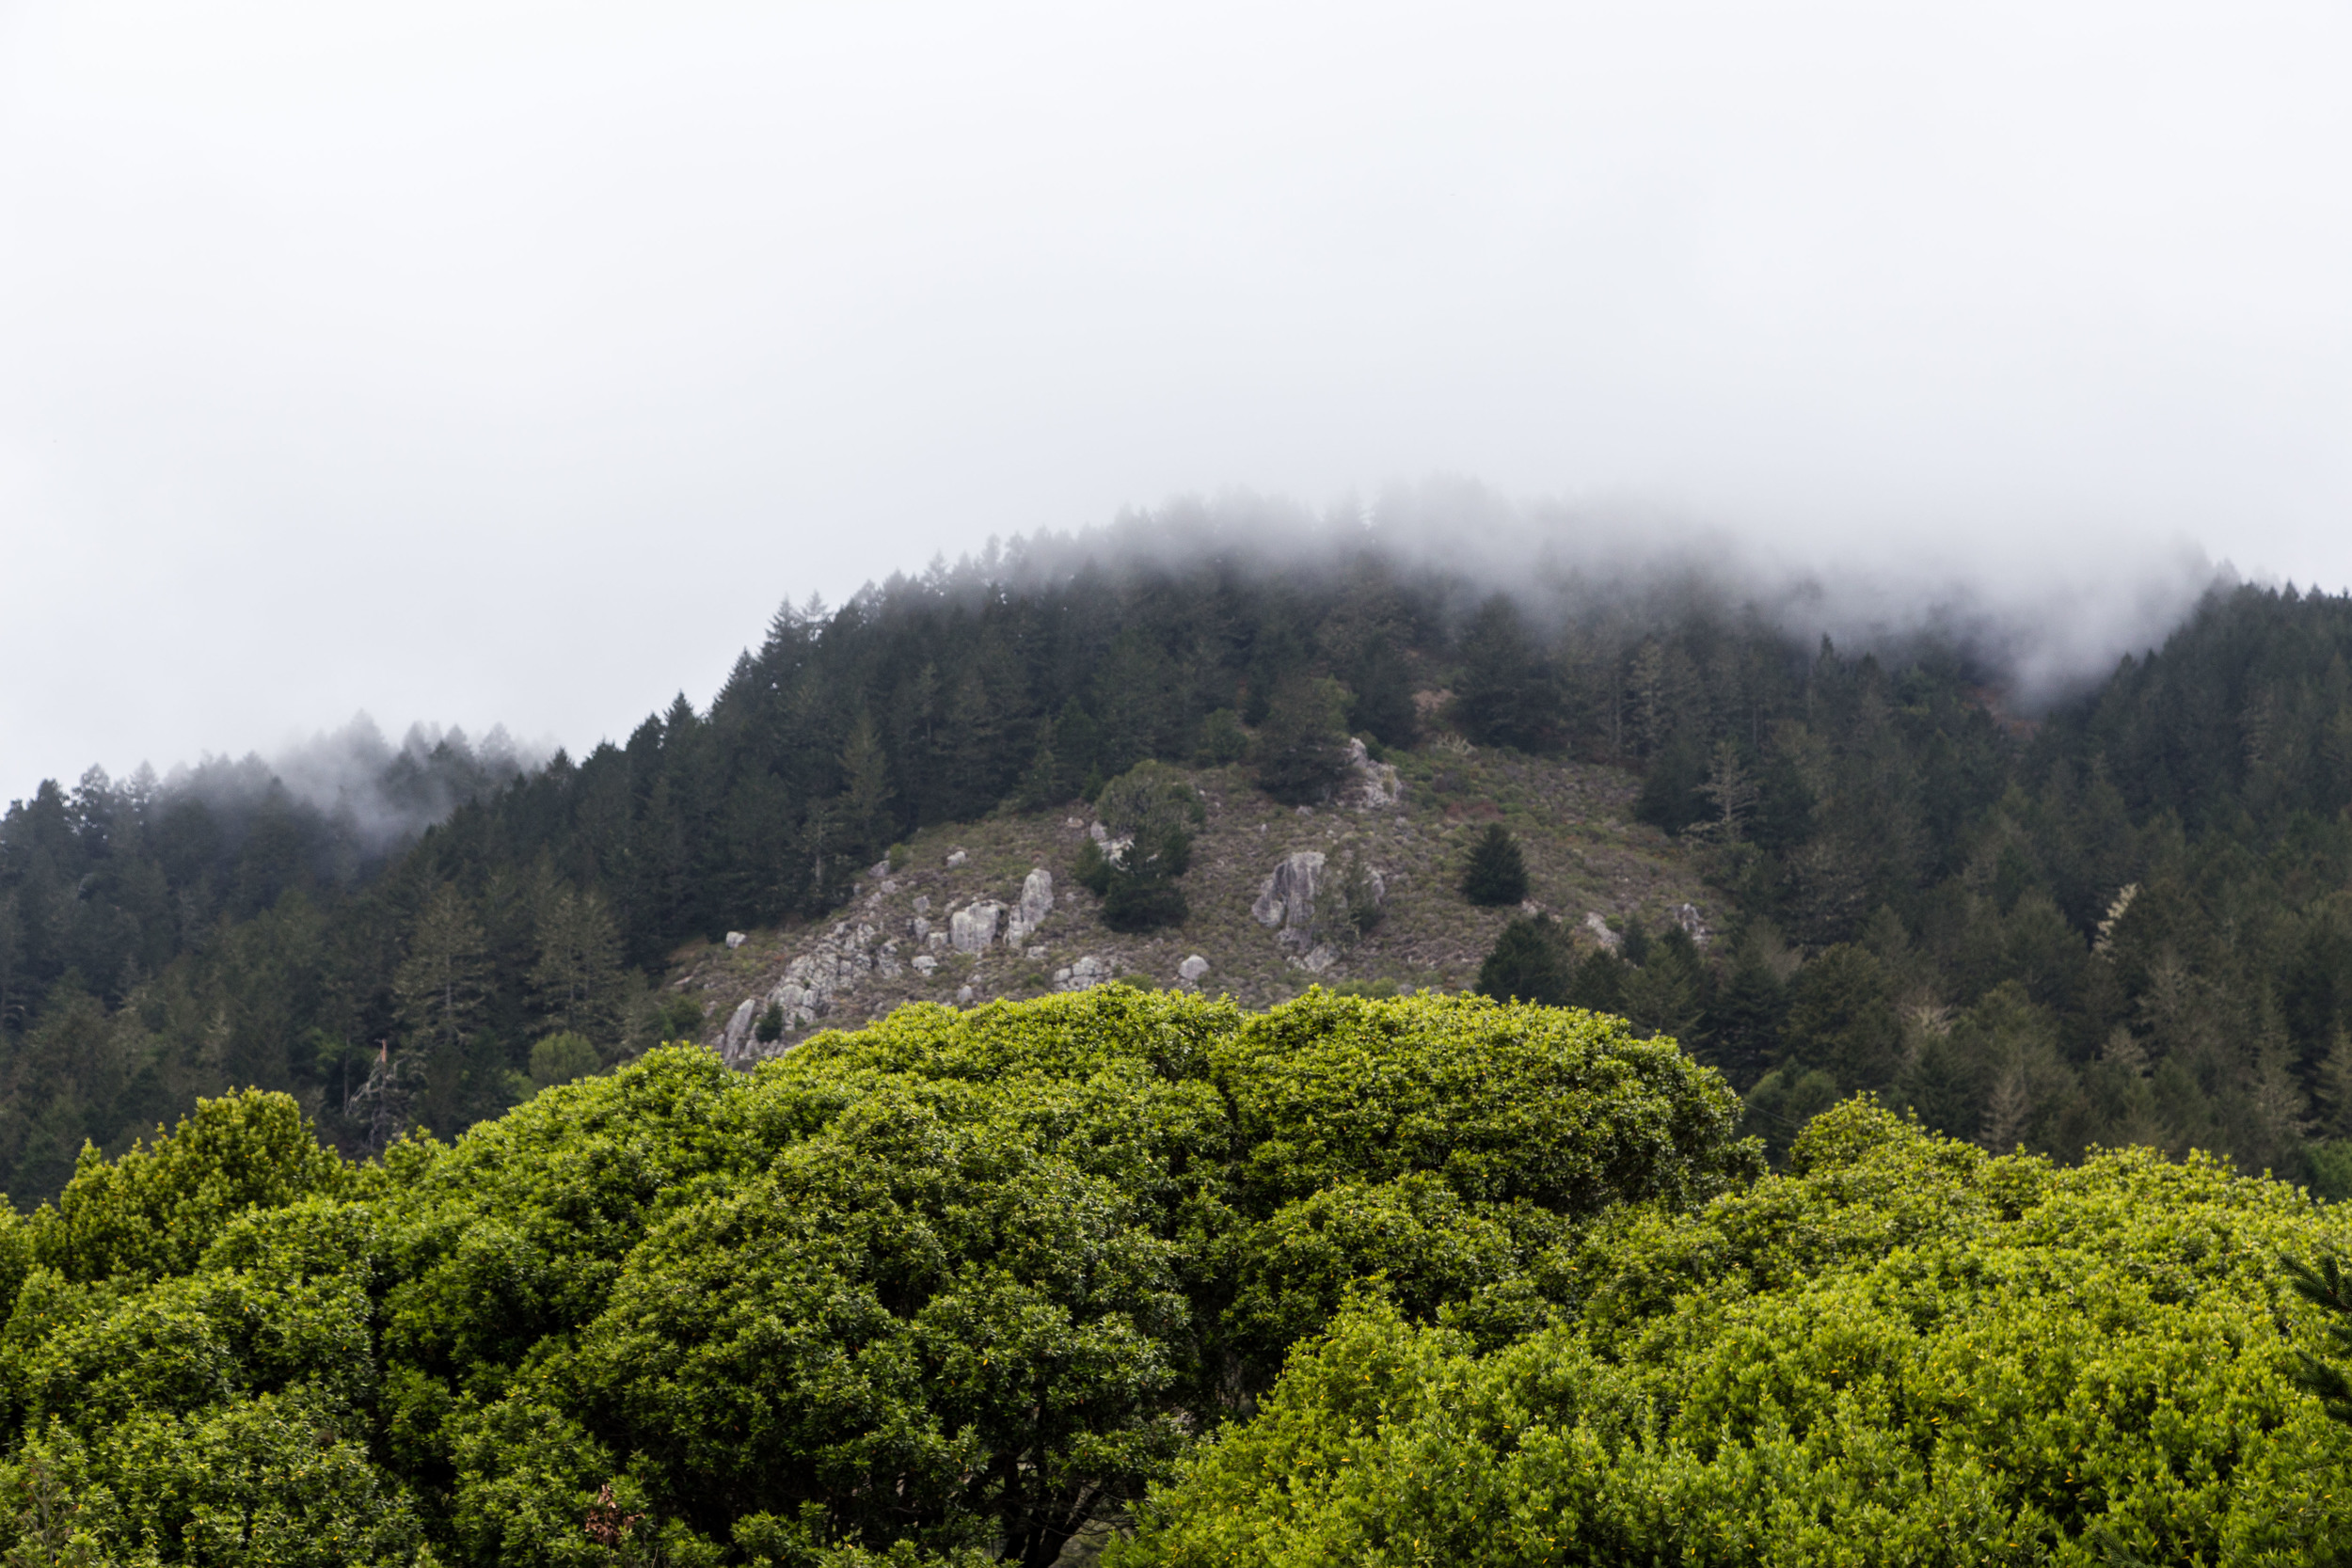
[[1190, 971], [812, 982], [973, 928], [1598, 925], [1088, 971], [1287, 898], [1371, 785], [1036, 903]]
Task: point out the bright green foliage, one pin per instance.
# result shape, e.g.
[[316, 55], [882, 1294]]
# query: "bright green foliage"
[[1906, 1351], [1566, 1110], [944, 1288], [155, 1210], [222, 1415]]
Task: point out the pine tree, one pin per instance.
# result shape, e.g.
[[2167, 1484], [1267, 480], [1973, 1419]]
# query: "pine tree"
[[1496, 872], [1730, 792], [577, 976], [1507, 693], [865, 824], [1302, 749], [1528, 963], [442, 986], [2009, 1111], [1744, 1024]]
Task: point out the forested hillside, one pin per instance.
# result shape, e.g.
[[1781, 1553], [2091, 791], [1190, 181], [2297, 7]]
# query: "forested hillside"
[[2122, 921]]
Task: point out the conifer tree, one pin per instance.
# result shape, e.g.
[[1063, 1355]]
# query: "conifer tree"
[[441, 987], [1496, 873], [578, 975], [1302, 749], [1507, 693], [1528, 963]]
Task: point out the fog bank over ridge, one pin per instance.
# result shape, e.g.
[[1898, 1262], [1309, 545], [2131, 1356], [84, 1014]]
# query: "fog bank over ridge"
[[379, 793], [2045, 625]]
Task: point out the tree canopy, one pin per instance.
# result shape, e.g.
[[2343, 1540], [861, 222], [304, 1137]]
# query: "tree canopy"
[[959, 1282], [1904, 1351]]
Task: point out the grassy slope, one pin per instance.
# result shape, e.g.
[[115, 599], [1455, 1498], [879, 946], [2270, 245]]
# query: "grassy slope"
[[1584, 852]]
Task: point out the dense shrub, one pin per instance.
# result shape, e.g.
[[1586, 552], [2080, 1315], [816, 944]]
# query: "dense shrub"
[[953, 1283], [1905, 1352]]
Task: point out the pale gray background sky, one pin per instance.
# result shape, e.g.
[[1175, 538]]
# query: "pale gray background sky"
[[493, 362]]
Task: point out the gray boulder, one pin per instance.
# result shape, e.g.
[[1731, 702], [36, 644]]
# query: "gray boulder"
[[1037, 902], [973, 928], [739, 1028], [1287, 898]]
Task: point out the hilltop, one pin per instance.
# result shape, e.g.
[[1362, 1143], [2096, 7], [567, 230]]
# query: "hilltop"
[[1410, 824]]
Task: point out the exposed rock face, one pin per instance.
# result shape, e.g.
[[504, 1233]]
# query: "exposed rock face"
[[1317, 959], [1037, 902], [739, 1028], [736, 940], [1190, 971], [1287, 898], [973, 928], [1374, 785], [840, 959], [1688, 917], [956, 857], [1088, 971], [1599, 927]]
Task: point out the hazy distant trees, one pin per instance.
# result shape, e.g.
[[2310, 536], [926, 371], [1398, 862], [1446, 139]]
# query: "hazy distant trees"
[[1508, 694]]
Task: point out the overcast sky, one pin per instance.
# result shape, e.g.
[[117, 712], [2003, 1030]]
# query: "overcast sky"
[[482, 361]]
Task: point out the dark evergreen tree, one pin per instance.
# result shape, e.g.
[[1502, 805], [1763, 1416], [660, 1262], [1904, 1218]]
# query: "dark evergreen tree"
[[1302, 752], [1495, 871], [1841, 1020], [1744, 1021], [1599, 984], [1507, 693], [1529, 962]]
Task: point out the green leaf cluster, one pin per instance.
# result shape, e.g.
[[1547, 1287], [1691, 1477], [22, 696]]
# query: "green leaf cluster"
[[956, 1284], [1903, 1350]]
